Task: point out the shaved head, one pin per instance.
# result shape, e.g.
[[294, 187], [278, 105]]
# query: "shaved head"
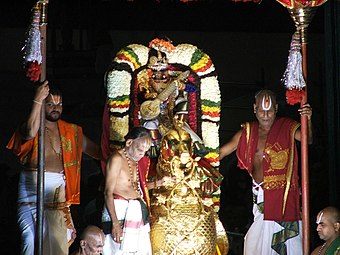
[[265, 94], [92, 240], [333, 213]]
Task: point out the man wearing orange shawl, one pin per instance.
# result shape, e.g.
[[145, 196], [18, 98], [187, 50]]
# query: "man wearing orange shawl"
[[63, 151], [266, 149]]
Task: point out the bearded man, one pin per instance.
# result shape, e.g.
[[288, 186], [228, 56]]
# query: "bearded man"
[[64, 145]]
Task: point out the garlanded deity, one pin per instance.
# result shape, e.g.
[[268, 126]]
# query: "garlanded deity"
[[174, 93]]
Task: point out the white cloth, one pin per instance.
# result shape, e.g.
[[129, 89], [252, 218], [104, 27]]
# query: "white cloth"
[[136, 235], [259, 236], [27, 188]]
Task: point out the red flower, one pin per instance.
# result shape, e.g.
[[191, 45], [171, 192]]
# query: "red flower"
[[294, 96], [33, 71]]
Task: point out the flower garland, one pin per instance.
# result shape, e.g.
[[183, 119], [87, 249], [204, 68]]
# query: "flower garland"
[[162, 45], [204, 96], [119, 84]]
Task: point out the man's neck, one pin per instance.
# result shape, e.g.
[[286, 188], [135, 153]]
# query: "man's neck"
[[51, 124]]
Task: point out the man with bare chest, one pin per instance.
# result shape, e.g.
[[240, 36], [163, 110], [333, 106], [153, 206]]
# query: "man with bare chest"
[[64, 144], [266, 149], [125, 217]]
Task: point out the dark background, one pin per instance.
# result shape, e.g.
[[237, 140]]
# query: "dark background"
[[247, 42]]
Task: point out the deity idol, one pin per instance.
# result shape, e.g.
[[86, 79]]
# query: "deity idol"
[[173, 92]]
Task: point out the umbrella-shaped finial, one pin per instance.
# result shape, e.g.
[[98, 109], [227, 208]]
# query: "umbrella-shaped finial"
[[302, 17]]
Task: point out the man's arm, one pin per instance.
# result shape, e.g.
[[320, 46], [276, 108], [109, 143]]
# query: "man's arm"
[[113, 168], [91, 148], [306, 110], [30, 128], [230, 146]]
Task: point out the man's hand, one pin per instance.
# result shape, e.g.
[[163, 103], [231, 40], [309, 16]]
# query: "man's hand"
[[42, 92], [306, 110], [117, 232]]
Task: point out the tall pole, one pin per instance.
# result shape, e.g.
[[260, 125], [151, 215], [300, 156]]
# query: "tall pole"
[[38, 249], [302, 18]]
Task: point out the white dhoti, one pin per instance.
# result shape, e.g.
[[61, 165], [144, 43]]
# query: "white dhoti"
[[260, 237], [58, 227], [136, 235]]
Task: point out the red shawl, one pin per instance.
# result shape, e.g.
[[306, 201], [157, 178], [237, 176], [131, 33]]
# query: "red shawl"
[[72, 140], [280, 167]]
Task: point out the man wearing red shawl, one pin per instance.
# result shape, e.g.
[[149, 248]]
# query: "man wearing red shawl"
[[266, 149], [64, 145]]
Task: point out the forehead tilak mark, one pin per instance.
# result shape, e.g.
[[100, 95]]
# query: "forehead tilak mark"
[[319, 218], [266, 102], [55, 99]]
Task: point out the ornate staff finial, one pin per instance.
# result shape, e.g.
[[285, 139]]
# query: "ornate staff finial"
[[302, 17]]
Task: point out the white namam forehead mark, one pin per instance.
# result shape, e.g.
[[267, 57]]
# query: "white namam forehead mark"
[[319, 219], [55, 98], [266, 102]]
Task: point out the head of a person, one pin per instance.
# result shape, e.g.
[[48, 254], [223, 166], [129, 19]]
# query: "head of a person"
[[265, 107], [158, 70], [54, 105], [92, 240], [328, 223], [138, 142]]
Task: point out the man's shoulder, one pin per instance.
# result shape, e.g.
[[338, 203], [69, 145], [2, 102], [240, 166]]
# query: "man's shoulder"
[[69, 125], [66, 123], [286, 121], [116, 155], [316, 250]]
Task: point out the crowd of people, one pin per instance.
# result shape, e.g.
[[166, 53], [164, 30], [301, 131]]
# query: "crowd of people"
[[266, 148]]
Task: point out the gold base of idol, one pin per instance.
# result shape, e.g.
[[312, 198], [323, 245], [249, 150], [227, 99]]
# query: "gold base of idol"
[[302, 17], [187, 231], [183, 221]]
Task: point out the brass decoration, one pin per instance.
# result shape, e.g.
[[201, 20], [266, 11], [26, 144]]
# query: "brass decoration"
[[302, 17], [181, 223]]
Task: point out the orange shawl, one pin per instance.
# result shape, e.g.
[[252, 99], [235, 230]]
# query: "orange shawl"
[[72, 140]]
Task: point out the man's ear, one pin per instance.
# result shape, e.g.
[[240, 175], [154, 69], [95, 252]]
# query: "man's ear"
[[337, 226], [276, 107], [128, 142], [82, 243], [255, 108]]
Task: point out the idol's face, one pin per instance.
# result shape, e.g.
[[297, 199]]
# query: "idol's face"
[[53, 108], [159, 80]]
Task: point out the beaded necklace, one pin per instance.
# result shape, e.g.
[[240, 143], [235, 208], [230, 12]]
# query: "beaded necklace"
[[58, 154], [135, 184], [321, 248]]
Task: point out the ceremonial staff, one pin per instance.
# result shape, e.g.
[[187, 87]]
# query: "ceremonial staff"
[[302, 12], [35, 63]]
